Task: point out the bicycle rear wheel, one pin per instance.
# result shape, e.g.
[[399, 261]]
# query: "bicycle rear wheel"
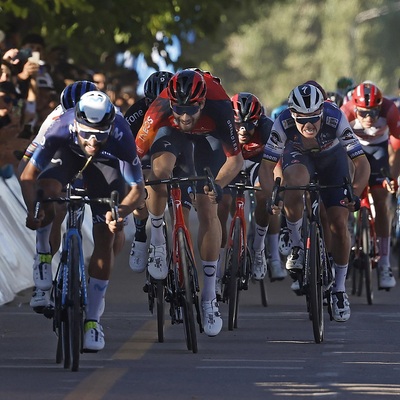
[[187, 291], [74, 314], [366, 262], [316, 283]]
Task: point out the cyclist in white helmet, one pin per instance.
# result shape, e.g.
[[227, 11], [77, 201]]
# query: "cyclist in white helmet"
[[313, 136]]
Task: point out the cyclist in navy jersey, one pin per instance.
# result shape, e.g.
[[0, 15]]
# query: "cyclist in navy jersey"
[[314, 136], [91, 142]]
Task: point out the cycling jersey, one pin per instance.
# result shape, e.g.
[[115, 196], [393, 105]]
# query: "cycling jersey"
[[335, 131], [388, 123], [135, 114], [216, 117], [119, 146], [255, 148]]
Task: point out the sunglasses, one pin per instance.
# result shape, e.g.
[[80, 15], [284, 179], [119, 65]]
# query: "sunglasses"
[[99, 136], [373, 113], [304, 120], [248, 126], [189, 110]]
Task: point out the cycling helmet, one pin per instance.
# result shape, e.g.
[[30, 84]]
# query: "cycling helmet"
[[96, 110], [367, 95], [187, 87], [305, 99], [247, 108], [156, 83], [335, 97], [73, 92]]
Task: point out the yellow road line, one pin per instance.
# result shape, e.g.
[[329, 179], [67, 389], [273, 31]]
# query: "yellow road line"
[[97, 384], [139, 343]]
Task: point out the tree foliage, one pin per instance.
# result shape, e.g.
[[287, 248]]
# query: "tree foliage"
[[93, 27]]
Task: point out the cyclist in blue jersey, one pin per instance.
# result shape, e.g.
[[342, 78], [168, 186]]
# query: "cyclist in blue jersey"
[[313, 136], [93, 143]]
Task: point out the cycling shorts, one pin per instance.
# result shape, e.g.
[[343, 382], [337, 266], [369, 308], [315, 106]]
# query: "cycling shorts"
[[378, 157], [331, 168]]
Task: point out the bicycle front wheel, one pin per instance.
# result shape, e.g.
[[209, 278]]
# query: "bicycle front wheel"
[[187, 290], [160, 310], [236, 258], [74, 314], [315, 279], [366, 262]]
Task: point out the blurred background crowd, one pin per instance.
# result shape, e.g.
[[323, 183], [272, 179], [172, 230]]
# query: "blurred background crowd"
[[31, 81]]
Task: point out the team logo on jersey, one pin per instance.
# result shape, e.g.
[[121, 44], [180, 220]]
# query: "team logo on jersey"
[[275, 138], [347, 135], [331, 121], [287, 123]]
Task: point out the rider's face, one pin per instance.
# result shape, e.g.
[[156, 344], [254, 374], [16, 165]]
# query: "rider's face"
[[308, 124], [186, 117]]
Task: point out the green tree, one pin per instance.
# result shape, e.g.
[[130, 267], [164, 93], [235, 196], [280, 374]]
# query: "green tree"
[[93, 27]]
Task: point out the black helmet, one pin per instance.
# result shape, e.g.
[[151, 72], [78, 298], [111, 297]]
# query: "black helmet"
[[73, 92], [156, 83]]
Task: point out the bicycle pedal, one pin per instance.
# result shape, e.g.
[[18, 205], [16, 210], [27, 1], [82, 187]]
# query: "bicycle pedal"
[[48, 312]]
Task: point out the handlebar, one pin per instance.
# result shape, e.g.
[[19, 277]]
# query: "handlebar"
[[112, 201]]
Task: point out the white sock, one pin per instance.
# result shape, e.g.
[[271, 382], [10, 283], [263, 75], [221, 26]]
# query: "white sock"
[[273, 240], [295, 232], [157, 231], [209, 269], [340, 278], [384, 251], [96, 293], [43, 239], [259, 238]]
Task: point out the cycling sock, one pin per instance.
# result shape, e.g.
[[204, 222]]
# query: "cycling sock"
[[295, 232], [140, 233], [221, 262], [340, 278], [273, 240], [384, 251], [209, 268], [43, 239], [157, 232], [96, 293], [259, 238]]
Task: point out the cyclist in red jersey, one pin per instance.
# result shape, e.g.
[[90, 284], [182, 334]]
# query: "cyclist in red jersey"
[[253, 128], [374, 119], [191, 119]]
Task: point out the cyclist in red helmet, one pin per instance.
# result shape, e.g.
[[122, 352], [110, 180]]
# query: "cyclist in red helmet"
[[375, 119], [191, 119], [253, 128]]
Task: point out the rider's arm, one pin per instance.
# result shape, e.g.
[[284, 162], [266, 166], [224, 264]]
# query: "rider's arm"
[[361, 174]]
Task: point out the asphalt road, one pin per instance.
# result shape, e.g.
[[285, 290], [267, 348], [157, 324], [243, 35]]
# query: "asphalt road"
[[272, 354]]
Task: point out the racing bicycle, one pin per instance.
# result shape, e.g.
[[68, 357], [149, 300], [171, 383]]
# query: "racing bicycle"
[[316, 277], [69, 289]]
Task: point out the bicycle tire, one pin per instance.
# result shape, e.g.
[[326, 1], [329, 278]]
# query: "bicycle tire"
[[57, 323], [316, 283], [186, 289], [160, 310], [234, 260], [366, 262], [74, 309]]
